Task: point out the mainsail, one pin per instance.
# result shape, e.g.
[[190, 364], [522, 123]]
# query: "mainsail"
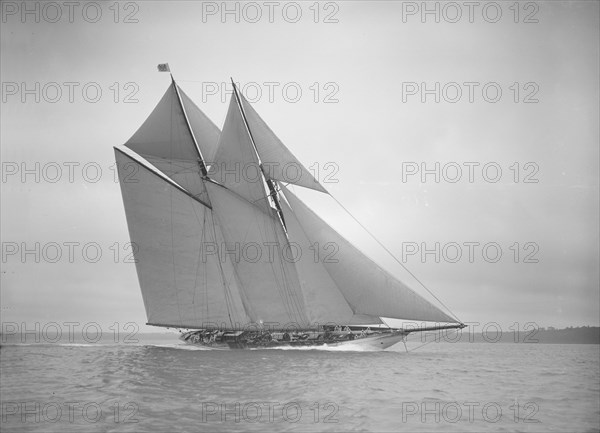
[[223, 248], [252, 244]]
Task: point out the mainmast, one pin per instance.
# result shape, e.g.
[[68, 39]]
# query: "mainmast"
[[272, 190]]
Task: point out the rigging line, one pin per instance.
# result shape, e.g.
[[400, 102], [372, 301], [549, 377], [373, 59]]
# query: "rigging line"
[[308, 238], [202, 237], [282, 295], [295, 297], [261, 199], [287, 297], [154, 171], [269, 183], [293, 301], [295, 305], [176, 169], [246, 304], [394, 257], [201, 162], [281, 285], [226, 288], [435, 340], [172, 161], [205, 263], [282, 289], [172, 229]]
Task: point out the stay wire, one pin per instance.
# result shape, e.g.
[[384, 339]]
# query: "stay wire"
[[429, 342], [394, 257]]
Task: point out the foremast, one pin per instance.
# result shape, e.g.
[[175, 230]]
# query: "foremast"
[[201, 161]]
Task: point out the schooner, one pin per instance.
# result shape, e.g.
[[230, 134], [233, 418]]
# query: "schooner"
[[224, 248]]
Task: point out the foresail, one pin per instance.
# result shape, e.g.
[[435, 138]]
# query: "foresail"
[[252, 245], [368, 288], [236, 165], [182, 285], [164, 139], [278, 162], [324, 300]]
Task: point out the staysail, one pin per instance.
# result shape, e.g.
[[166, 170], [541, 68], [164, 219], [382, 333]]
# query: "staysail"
[[368, 288], [182, 285], [325, 303]]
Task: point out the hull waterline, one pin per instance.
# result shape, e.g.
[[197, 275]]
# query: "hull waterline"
[[378, 340]]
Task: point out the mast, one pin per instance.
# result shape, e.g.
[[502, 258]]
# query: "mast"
[[272, 190], [187, 122]]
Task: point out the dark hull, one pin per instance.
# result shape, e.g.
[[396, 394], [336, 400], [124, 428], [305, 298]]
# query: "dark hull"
[[359, 340]]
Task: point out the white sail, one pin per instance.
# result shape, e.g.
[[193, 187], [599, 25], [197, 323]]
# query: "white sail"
[[278, 162], [368, 288], [164, 139], [213, 252], [252, 244], [324, 301], [236, 164], [182, 285], [205, 131]]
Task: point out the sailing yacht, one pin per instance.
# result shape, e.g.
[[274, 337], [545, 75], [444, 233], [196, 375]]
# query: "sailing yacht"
[[225, 250]]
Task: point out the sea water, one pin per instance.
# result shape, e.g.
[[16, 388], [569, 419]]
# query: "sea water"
[[168, 386]]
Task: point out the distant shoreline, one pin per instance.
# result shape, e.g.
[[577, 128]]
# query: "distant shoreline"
[[570, 335]]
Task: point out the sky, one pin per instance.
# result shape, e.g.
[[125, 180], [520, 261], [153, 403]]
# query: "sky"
[[387, 102]]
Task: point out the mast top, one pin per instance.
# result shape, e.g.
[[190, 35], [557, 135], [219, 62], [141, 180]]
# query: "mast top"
[[164, 67]]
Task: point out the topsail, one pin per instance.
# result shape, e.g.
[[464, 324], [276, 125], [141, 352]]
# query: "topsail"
[[279, 163], [165, 139]]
